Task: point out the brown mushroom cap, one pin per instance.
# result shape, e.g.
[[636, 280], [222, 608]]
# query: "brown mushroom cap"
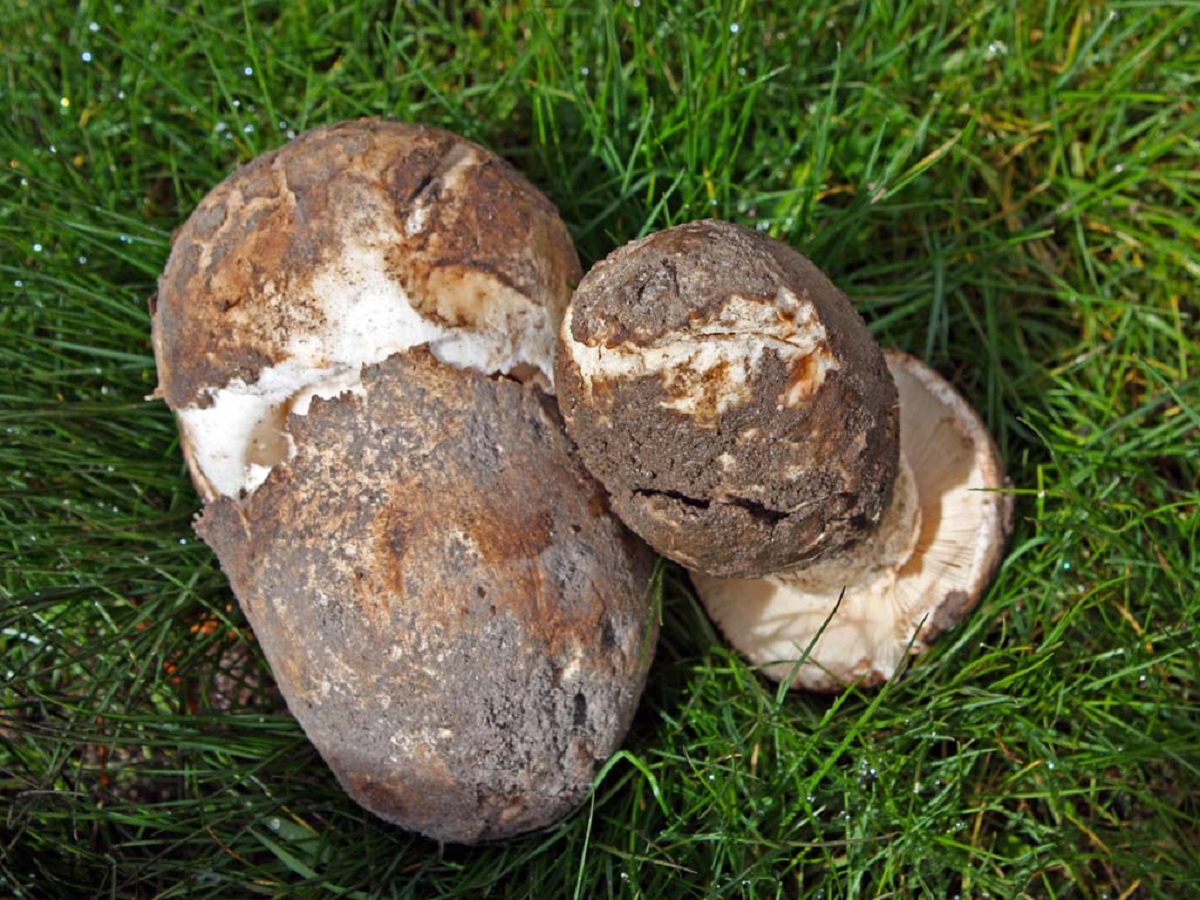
[[926, 568], [729, 398], [345, 245], [451, 612]]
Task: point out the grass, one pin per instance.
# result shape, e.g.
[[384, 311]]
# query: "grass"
[[1007, 190]]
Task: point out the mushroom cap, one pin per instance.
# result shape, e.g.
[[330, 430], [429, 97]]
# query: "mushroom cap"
[[347, 244], [730, 399], [454, 617], [858, 613]]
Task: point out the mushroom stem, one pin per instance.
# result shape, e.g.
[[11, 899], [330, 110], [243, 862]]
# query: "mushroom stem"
[[880, 555], [854, 616]]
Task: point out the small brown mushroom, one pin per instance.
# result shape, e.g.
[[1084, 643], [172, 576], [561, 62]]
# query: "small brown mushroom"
[[730, 399], [854, 616]]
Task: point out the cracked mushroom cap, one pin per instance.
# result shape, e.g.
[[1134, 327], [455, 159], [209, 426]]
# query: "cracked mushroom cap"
[[348, 244], [729, 398], [922, 572]]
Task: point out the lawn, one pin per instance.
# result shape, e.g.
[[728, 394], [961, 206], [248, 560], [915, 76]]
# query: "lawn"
[[1007, 190]]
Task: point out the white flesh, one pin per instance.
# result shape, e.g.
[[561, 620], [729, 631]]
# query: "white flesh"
[[361, 317], [713, 364]]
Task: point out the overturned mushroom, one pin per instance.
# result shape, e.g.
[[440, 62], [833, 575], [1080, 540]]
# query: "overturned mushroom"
[[734, 404], [854, 616]]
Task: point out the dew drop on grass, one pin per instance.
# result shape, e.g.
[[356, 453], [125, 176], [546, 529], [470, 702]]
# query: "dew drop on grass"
[[248, 70], [37, 248], [735, 28], [86, 56], [584, 70], [273, 823], [17, 282], [93, 27], [247, 129]]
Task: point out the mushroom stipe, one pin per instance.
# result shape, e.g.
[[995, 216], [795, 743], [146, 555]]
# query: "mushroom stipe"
[[853, 618]]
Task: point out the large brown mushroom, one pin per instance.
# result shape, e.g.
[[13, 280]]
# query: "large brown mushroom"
[[355, 332]]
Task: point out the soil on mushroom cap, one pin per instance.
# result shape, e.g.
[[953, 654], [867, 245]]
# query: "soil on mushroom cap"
[[729, 398]]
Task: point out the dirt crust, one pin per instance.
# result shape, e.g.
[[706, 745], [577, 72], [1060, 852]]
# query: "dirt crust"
[[451, 612]]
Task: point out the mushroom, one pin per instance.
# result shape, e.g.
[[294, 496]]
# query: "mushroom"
[[856, 615], [355, 333], [835, 505], [730, 399]]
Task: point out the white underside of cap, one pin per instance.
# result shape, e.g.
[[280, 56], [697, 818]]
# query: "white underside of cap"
[[796, 628], [354, 315]]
